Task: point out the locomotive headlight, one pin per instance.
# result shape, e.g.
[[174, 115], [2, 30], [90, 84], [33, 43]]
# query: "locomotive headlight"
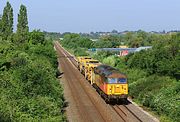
[[110, 90], [125, 90]]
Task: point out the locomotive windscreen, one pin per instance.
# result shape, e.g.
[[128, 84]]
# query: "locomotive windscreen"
[[121, 80], [117, 80]]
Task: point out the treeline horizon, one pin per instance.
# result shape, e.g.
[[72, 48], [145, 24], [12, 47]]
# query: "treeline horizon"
[[97, 35]]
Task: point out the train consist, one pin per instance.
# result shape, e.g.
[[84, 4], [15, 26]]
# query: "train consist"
[[108, 81]]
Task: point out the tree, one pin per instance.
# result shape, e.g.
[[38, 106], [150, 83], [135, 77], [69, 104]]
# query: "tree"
[[36, 36], [22, 26], [0, 24], [114, 31], [7, 21]]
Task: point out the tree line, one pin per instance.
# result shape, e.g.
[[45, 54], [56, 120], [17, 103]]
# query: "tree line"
[[29, 88], [6, 24]]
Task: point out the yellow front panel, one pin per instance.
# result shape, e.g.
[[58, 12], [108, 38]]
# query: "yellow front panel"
[[117, 89]]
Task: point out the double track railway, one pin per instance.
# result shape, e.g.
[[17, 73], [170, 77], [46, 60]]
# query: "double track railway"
[[89, 105]]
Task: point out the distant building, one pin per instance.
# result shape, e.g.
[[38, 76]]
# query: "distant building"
[[143, 48], [61, 38], [94, 40], [123, 46], [123, 51]]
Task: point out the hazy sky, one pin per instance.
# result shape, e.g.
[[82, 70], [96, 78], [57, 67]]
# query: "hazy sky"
[[99, 15]]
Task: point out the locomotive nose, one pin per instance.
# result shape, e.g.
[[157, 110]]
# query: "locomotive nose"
[[117, 89]]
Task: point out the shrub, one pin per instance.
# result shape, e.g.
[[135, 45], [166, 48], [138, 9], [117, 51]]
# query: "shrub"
[[29, 88], [167, 102]]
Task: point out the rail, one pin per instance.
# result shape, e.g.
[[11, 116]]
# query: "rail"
[[122, 110]]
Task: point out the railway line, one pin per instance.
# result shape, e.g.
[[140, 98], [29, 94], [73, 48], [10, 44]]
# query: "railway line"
[[87, 105], [125, 113], [120, 112]]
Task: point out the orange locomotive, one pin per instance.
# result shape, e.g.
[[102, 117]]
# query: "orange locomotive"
[[108, 81]]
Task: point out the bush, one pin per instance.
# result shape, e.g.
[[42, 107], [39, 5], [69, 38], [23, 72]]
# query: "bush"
[[110, 61], [159, 93], [100, 55], [167, 102], [80, 52], [162, 59], [29, 88]]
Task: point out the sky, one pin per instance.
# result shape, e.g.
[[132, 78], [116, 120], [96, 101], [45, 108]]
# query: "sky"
[[99, 15]]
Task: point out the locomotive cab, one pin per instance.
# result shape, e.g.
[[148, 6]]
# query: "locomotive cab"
[[111, 84], [117, 87]]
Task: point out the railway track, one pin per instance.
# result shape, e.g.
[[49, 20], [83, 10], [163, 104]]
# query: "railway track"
[[99, 109], [133, 114], [89, 97], [77, 91], [89, 108], [117, 108], [120, 112], [125, 113]]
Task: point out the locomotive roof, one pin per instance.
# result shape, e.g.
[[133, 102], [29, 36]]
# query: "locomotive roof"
[[108, 71]]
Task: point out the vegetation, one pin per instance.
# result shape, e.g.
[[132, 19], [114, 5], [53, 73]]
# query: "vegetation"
[[22, 26], [6, 23], [29, 88], [153, 74], [52, 35], [77, 44], [159, 89], [163, 59]]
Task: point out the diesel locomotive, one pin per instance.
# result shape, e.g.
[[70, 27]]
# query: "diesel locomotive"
[[109, 82]]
